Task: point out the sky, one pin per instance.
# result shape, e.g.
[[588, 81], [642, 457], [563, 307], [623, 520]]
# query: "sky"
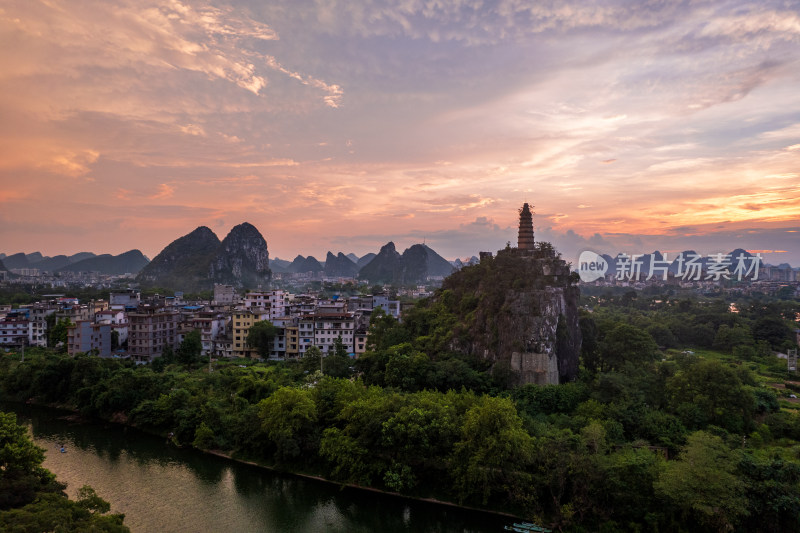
[[340, 125]]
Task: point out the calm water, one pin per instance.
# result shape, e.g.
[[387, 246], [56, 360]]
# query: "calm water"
[[163, 489]]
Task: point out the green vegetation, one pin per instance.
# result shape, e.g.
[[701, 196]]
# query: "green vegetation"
[[32, 500], [661, 432], [260, 336]]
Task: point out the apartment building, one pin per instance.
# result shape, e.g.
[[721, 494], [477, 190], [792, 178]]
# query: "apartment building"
[[243, 320], [330, 326], [85, 336], [150, 330]]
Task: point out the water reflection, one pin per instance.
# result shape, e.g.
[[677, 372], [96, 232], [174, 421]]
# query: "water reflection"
[[161, 488]]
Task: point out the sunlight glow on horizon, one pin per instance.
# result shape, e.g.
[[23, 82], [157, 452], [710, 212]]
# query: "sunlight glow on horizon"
[[128, 124]]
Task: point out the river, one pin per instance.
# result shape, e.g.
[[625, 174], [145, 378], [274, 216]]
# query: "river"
[[164, 489]]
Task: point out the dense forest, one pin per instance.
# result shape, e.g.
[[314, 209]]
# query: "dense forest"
[[681, 419]]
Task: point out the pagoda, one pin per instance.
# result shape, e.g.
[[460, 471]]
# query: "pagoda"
[[525, 238]]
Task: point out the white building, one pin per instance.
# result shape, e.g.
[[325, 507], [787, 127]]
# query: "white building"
[[330, 326]]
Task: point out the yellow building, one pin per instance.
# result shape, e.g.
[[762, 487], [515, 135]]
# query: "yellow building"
[[292, 341], [242, 322]]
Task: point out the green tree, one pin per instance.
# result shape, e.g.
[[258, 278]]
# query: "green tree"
[[493, 451], [709, 392], [406, 368], [312, 359], [203, 437], [626, 344], [32, 500], [589, 345], [773, 492], [385, 331], [21, 474], [338, 363], [728, 337], [288, 418], [260, 336], [89, 500], [58, 333], [704, 484], [190, 348], [773, 330]]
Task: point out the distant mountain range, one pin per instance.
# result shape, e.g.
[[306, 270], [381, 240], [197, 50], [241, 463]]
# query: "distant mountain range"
[[199, 259], [129, 262], [415, 265]]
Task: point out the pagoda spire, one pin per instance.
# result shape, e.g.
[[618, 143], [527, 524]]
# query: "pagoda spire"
[[525, 237]]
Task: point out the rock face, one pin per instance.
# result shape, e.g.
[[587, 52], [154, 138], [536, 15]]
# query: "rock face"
[[184, 263], [520, 310], [340, 266], [364, 260], [199, 260], [304, 264], [279, 265], [416, 265], [242, 259], [436, 265], [386, 267]]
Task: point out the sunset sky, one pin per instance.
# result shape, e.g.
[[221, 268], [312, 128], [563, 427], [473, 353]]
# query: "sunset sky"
[[341, 125]]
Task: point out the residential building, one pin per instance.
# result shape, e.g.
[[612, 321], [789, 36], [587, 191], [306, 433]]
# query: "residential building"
[[292, 335], [150, 330], [117, 319], [330, 326], [360, 341], [85, 336], [15, 329], [124, 299], [243, 320], [224, 294], [305, 333]]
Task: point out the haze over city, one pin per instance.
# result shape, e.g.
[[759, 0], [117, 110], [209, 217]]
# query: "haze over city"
[[343, 125]]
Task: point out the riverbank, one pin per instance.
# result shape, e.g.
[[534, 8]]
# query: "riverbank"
[[434, 501], [72, 415], [160, 487]]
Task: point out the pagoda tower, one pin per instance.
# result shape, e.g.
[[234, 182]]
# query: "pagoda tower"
[[525, 238]]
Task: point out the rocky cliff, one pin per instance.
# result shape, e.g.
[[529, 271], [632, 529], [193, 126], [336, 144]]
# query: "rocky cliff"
[[199, 260], [183, 264], [340, 266], [518, 310], [242, 259], [385, 267], [365, 259]]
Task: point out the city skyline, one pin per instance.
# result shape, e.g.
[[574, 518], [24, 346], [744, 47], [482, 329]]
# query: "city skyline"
[[336, 127]]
